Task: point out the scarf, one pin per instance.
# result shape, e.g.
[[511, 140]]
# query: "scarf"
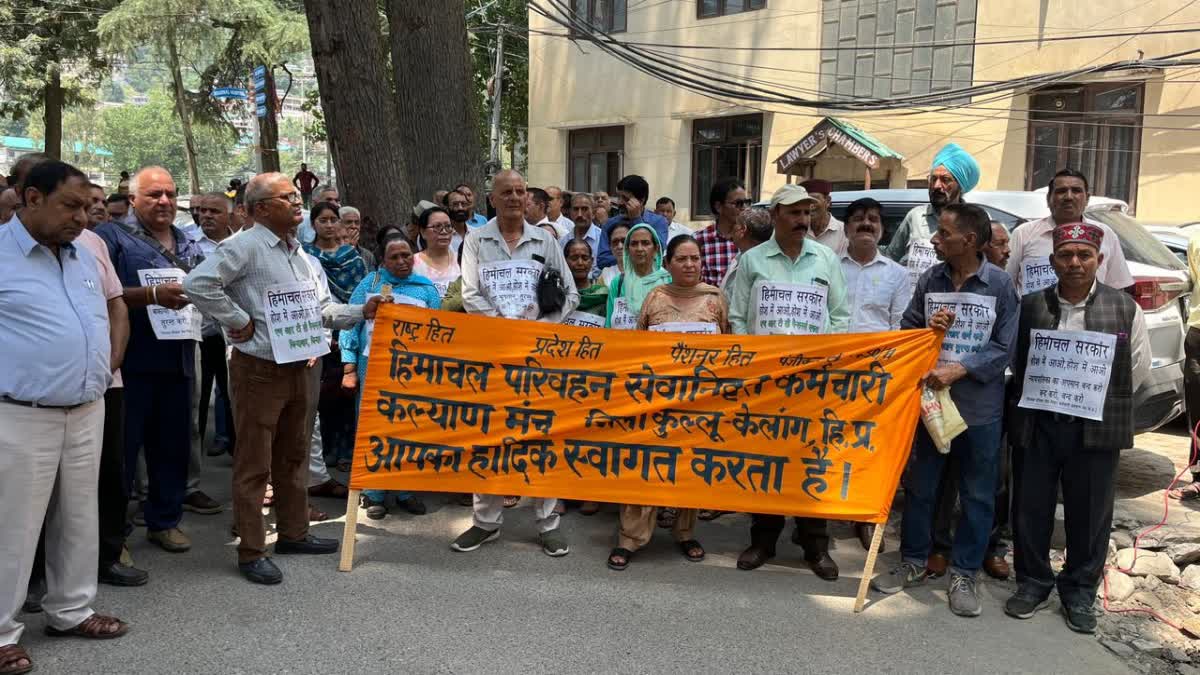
[[344, 268], [632, 286], [411, 283], [687, 293], [593, 299]]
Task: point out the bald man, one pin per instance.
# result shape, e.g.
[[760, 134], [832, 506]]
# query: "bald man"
[[158, 373]]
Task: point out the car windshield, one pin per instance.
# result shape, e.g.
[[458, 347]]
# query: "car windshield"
[[1137, 243]]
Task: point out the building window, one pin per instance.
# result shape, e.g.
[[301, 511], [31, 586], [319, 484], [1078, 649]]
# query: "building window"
[[1094, 129], [879, 70], [602, 15], [707, 9], [594, 159], [724, 147]]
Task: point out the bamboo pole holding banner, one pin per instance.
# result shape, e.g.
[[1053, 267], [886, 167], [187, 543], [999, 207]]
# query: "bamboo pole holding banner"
[[868, 569], [347, 561]]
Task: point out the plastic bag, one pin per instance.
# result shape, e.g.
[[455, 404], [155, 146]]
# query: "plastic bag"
[[941, 417]]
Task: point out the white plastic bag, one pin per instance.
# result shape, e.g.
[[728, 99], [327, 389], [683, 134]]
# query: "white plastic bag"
[[941, 417]]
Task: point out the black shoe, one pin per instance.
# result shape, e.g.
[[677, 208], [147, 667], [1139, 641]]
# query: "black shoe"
[[310, 544], [754, 558], [117, 574], [1025, 603], [413, 505], [866, 532], [824, 567], [1080, 618], [261, 571]]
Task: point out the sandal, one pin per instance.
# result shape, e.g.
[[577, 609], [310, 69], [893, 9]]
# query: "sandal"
[[623, 553], [269, 497], [666, 518], [1186, 493], [10, 659], [691, 549], [711, 514], [510, 502], [330, 488], [95, 627], [316, 515]]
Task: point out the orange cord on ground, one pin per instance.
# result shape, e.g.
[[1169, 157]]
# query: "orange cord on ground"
[[1166, 506]]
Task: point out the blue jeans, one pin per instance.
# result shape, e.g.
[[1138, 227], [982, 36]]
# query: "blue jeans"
[[378, 495], [977, 451]]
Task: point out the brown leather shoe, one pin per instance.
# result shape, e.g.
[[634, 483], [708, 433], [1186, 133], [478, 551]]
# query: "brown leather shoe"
[[824, 567], [754, 558], [936, 564], [996, 567]]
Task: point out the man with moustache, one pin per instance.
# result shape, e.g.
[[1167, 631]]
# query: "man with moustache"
[[998, 249], [789, 259], [973, 370], [1059, 450], [826, 229], [476, 219], [556, 212], [583, 227], [216, 212]]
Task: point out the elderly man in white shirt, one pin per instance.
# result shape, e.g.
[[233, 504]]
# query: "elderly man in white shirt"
[[1033, 242], [825, 228]]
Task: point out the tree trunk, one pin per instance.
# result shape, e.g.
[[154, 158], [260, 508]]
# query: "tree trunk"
[[435, 94], [181, 109], [53, 112], [360, 113], [268, 127]]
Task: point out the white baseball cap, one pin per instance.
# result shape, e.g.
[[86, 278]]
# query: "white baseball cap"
[[790, 194]]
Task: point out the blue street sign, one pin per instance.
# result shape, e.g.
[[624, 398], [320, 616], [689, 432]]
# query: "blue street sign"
[[229, 93], [260, 84], [262, 111], [261, 98], [260, 71]]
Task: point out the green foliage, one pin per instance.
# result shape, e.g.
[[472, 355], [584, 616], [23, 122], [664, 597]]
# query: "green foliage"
[[514, 109], [142, 135], [41, 37]]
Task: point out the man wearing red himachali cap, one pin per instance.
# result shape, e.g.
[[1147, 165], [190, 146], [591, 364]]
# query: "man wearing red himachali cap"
[[1081, 352]]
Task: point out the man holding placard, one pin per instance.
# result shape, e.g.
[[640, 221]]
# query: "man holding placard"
[[1032, 244], [974, 302], [1082, 350], [267, 296], [789, 285], [151, 258]]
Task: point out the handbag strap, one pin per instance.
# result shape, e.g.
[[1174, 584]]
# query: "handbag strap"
[[162, 250]]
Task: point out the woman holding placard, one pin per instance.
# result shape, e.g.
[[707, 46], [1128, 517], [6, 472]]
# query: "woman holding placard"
[[684, 305], [395, 276], [643, 272]]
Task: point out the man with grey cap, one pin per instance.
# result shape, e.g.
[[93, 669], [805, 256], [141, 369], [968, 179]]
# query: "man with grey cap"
[[954, 173], [789, 260]]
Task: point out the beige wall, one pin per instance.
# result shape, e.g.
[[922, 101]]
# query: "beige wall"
[[570, 86]]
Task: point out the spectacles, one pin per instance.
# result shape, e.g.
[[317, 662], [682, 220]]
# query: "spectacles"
[[741, 203], [290, 197], [444, 227]]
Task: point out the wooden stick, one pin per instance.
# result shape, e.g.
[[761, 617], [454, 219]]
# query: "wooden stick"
[[869, 568], [348, 534]]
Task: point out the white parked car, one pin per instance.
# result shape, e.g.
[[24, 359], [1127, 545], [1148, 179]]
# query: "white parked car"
[[1161, 281]]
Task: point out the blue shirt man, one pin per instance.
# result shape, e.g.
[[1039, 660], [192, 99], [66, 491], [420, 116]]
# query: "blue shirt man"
[[632, 193], [55, 330]]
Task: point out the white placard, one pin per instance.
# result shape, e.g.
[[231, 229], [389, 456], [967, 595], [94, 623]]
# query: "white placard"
[[1036, 274], [1068, 372], [578, 318], [171, 324], [622, 318], [511, 287], [294, 321], [689, 327], [921, 257], [369, 328], [974, 316], [788, 309]]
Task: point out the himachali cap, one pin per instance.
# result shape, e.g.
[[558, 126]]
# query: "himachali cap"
[[790, 194], [421, 207], [817, 185], [1078, 233]]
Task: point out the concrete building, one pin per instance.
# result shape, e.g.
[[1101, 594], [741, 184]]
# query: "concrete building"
[[1136, 134]]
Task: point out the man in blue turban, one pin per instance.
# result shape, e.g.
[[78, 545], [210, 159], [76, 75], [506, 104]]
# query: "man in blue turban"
[[953, 174]]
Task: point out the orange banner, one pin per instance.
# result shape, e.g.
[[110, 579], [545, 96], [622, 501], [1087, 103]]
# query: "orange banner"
[[814, 426]]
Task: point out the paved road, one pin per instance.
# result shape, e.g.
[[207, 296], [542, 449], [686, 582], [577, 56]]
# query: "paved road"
[[413, 606]]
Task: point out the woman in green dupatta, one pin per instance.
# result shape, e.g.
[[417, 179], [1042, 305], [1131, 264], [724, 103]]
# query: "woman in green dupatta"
[[593, 297], [643, 272]]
